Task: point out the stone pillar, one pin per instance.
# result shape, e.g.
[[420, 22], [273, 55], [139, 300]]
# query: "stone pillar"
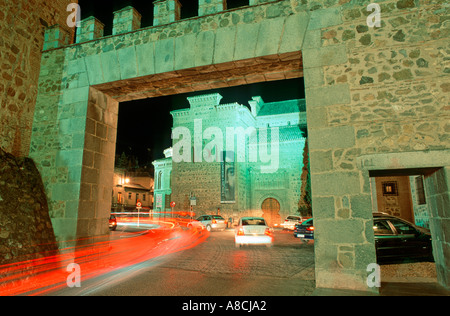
[[166, 11], [206, 7], [97, 167], [438, 195], [91, 28], [55, 37], [345, 244], [126, 20]]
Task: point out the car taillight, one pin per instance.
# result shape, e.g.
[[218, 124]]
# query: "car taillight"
[[310, 228], [240, 232], [268, 232]]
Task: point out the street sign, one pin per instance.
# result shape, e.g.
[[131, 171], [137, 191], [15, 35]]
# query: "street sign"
[[172, 204], [138, 206]]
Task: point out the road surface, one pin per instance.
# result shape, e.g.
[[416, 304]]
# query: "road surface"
[[214, 267]]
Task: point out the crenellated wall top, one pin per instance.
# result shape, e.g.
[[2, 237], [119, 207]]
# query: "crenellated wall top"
[[166, 13]]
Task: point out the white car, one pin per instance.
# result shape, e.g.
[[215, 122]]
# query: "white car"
[[290, 221], [253, 230], [209, 222]]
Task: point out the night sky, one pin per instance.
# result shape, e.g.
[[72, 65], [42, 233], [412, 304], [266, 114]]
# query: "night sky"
[[145, 125]]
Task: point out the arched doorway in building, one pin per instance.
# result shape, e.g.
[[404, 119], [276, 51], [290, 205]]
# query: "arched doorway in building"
[[271, 209]]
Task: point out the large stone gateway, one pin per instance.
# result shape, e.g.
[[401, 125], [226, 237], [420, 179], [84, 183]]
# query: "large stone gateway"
[[376, 99]]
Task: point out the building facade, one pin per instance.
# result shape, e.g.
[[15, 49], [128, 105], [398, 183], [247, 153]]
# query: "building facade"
[[236, 161], [162, 176], [130, 188]]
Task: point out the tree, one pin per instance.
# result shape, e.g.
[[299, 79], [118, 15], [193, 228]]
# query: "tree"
[[305, 203], [122, 162]]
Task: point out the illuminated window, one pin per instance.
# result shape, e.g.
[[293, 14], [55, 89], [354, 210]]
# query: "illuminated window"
[[390, 188], [158, 184]]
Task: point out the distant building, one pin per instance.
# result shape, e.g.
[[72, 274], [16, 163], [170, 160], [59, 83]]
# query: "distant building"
[[131, 187], [236, 161]]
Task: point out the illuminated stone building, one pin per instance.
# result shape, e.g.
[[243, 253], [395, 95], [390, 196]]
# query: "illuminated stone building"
[[237, 161], [162, 176]]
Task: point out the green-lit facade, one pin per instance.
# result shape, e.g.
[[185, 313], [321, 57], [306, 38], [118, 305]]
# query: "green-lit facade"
[[237, 160]]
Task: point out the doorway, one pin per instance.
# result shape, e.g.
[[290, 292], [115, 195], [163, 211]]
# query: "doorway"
[[413, 195], [271, 209]]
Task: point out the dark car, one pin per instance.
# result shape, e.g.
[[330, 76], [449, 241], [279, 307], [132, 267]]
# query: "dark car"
[[396, 240], [305, 230], [112, 222]]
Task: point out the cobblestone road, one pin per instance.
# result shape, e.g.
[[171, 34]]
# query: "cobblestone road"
[[217, 268]]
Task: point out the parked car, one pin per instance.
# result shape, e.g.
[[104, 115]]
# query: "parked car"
[[305, 230], [112, 222], [209, 222], [396, 240], [253, 230], [291, 221]]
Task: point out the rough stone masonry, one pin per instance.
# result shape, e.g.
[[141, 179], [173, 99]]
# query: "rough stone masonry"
[[26, 230], [376, 99]]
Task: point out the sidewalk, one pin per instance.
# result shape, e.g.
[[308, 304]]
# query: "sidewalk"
[[391, 289], [413, 289]]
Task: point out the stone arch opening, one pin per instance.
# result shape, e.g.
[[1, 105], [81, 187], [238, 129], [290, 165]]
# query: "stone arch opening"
[[80, 87], [431, 213], [98, 73], [81, 205]]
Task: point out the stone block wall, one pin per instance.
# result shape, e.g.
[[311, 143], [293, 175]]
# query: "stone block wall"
[[126, 20], [206, 7], [91, 28], [369, 91], [438, 194], [22, 28], [166, 11]]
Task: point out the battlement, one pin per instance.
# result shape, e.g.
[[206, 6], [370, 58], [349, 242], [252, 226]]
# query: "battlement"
[[205, 100], [128, 19]]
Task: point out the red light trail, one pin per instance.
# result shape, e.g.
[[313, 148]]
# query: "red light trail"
[[46, 275]]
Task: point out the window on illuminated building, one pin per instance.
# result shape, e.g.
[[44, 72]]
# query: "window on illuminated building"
[[158, 184]]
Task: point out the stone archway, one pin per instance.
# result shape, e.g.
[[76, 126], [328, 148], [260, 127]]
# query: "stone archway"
[[271, 211], [80, 85]]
